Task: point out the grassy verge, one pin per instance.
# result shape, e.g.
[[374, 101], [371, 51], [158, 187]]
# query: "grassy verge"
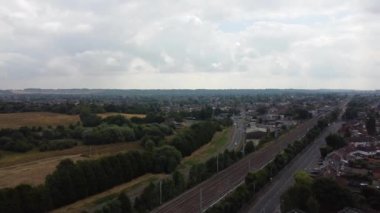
[[132, 187], [218, 144]]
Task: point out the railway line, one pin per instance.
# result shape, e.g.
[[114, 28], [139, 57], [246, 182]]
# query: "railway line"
[[205, 194]]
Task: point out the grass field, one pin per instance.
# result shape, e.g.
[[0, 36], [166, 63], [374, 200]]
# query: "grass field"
[[16, 120], [32, 167], [218, 144], [104, 115]]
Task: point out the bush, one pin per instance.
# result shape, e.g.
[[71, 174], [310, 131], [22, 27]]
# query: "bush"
[[17, 146], [105, 134], [57, 145]]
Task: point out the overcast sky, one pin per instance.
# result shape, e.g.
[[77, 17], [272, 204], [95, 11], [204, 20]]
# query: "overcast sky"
[[190, 44]]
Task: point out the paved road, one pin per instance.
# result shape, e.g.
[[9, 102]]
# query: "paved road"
[[204, 195], [269, 198], [238, 135]]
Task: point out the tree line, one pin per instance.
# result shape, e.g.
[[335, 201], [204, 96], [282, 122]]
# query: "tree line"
[[197, 135], [73, 181], [73, 108], [326, 195], [112, 129]]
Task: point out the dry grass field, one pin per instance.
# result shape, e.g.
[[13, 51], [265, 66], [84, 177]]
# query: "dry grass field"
[[16, 120], [104, 115], [33, 167]]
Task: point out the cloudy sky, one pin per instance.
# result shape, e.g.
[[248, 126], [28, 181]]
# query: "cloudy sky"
[[190, 44]]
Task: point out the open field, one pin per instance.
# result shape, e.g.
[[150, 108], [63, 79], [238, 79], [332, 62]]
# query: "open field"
[[34, 166], [132, 187], [16, 120]]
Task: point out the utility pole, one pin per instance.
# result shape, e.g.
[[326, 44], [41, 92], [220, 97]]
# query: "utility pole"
[[243, 150], [200, 200], [217, 163], [160, 192], [213, 112]]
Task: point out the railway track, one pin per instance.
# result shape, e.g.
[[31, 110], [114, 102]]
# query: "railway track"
[[201, 197]]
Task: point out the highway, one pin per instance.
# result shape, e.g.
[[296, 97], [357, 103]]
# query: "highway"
[[269, 198], [204, 195], [238, 135]]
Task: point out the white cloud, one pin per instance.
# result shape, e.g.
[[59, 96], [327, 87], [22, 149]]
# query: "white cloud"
[[190, 44]]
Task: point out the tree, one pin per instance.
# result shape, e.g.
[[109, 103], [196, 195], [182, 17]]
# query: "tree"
[[335, 141], [148, 199], [330, 196], [166, 159], [371, 125], [249, 147], [261, 110], [119, 120], [179, 182], [126, 206], [89, 119], [296, 197], [372, 196], [303, 178]]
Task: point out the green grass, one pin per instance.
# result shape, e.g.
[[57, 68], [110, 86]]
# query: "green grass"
[[143, 182], [218, 144], [105, 199]]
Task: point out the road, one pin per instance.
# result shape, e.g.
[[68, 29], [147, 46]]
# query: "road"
[[269, 197], [238, 136], [204, 195]]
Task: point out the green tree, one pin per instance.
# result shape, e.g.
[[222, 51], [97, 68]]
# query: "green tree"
[[330, 196], [303, 178], [335, 141], [371, 125], [249, 147], [126, 206], [89, 119]]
